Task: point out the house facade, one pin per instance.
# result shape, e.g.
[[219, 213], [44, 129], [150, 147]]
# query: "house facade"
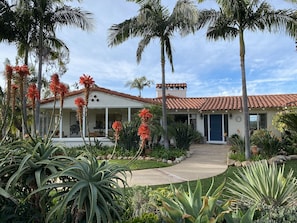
[[215, 117]]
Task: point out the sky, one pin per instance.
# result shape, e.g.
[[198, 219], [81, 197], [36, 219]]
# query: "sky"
[[210, 68]]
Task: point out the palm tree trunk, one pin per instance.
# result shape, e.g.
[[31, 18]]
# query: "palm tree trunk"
[[39, 77], [244, 96], [164, 111]]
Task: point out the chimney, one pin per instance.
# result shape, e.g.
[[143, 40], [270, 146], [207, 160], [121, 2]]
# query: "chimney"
[[174, 89]]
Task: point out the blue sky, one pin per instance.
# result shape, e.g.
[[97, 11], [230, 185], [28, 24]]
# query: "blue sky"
[[210, 68]]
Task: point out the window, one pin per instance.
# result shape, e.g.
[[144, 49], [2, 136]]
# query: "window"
[[258, 121]]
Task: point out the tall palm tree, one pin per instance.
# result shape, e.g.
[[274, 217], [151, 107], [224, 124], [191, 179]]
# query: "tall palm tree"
[[139, 83], [235, 17], [48, 15], [154, 21]]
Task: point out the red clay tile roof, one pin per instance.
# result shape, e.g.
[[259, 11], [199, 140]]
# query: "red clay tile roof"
[[228, 102], [172, 85], [204, 103], [254, 102], [103, 90]]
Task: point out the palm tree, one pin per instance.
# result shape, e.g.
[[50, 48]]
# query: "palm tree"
[[235, 17], [139, 83], [155, 22], [6, 21], [48, 15]]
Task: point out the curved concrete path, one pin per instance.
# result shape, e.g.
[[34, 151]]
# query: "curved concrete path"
[[207, 160]]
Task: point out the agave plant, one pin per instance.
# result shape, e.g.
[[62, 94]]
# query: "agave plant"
[[85, 190], [263, 184], [192, 206], [23, 166]]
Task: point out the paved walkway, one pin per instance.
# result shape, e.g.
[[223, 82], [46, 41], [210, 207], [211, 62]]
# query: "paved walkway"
[[207, 160]]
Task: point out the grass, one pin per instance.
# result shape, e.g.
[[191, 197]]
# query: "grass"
[[140, 164], [219, 179], [229, 173]]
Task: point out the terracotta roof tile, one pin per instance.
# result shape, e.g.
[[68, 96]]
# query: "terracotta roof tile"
[[228, 102], [255, 101], [204, 103], [103, 90]]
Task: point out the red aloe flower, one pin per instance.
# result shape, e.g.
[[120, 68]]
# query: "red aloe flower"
[[62, 89], [86, 80], [22, 70], [145, 115], [79, 102], [33, 93], [144, 132], [54, 85], [8, 71], [117, 127]]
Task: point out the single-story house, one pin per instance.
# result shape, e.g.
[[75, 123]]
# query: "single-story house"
[[215, 117]]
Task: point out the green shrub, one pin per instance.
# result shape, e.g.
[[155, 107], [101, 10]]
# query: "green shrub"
[[145, 218], [236, 143], [266, 141], [184, 135], [237, 156], [129, 140], [162, 153], [278, 215]]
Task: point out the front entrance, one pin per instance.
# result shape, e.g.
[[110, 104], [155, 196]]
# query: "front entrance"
[[216, 128]]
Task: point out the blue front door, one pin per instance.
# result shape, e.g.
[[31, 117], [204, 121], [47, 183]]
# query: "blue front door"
[[216, 128]]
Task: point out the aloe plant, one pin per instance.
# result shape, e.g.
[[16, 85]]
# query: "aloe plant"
[[263, 184], [85, 190], [193, 207]]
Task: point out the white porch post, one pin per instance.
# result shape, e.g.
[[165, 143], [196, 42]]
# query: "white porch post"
[[84, 123], [106, 122], [129, 114]]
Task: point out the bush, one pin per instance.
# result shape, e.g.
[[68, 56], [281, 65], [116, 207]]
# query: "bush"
[[129, 140], [236, 143], [266, 141], [278, 215], [184, 135]]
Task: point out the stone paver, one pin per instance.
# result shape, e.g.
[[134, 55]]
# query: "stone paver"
[[207, 160]]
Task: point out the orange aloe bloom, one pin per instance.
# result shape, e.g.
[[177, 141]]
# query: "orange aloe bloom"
[[33, 93], [117, 127], [79, 102], [54, 85], [22, 70], [86, 80], [8, 71], [144, 132], [145, 114], [62, 89]]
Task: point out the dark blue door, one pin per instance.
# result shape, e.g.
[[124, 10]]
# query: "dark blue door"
[[216, 130]]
